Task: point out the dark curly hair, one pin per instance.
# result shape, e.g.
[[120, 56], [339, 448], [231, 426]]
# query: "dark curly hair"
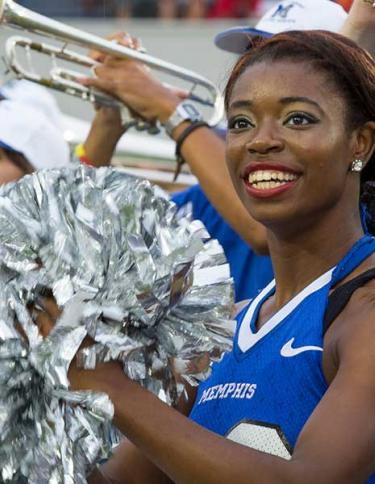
[[350, 67]]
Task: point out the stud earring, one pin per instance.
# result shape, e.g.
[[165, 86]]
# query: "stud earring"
[[357, 165]]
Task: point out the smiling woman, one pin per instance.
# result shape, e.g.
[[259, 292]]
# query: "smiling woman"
[[299, 135], [300, 379]]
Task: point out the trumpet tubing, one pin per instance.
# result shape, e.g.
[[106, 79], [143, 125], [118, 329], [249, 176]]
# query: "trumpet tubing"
[[60, 79], [15, 15]]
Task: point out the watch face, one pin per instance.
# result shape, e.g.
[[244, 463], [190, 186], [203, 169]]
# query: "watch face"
[[183, 112], [191, 111]]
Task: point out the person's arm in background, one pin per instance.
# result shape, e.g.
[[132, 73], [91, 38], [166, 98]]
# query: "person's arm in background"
[[360, 25], [107, 127], [105, 132], [203, 150]]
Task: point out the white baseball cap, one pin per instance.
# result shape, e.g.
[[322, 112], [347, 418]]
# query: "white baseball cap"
[[30, 123], [284, 16]]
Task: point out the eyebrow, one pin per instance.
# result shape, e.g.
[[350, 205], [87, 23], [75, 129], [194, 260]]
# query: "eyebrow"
[[242, 103], [299, 99], [245, 103]]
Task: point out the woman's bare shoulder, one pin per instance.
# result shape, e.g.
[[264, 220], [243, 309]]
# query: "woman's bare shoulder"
[[355, 326]]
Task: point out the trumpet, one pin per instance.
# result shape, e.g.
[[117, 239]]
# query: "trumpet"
[[66, 80]]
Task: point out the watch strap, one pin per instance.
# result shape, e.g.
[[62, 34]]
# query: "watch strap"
[[181, 139]]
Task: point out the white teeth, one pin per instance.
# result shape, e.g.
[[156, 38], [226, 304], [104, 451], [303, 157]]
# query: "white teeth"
[[268, 184], [266, 179]]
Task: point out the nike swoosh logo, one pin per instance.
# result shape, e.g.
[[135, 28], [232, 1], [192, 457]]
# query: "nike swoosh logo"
[[288, 351]]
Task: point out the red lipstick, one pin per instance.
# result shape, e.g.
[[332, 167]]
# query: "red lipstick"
[[257, 192]]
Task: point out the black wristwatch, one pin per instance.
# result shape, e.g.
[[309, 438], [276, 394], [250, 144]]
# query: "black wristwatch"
[[185, 111]]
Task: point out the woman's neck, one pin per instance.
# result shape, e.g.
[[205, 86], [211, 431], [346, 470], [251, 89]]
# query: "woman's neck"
[[300, 256]]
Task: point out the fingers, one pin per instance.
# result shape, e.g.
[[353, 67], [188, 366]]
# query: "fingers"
[[131, 83], [119, 69], [121, 38], [107, 85], [115, 78], [181, 93], [196, 365], [199, 364], [100, 56], [45, 313], [44, 322], [125, 66], [49, 305]]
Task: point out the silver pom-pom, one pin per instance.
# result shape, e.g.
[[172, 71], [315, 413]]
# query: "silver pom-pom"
[[148, 287]]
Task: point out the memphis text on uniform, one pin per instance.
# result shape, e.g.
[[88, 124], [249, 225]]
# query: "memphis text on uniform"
[[228, 390]]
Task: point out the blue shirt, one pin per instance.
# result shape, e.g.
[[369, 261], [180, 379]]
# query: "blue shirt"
[[251, 272], [263, 392]]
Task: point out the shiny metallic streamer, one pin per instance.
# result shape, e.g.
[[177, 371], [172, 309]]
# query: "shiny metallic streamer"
[[147, 285]]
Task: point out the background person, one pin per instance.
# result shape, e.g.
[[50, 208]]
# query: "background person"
[[282, 17], [31, 134], [360, 25]]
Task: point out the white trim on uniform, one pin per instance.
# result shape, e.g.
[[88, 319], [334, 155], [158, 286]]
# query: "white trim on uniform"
[[247, 339]]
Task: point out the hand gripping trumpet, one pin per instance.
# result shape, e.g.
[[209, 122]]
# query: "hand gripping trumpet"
[[65, 80]]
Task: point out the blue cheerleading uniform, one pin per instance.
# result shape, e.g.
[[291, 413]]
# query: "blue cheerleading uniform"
[[263, 392]]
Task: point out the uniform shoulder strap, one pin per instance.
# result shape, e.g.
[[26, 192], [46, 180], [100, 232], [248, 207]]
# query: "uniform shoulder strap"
[[339, 298]]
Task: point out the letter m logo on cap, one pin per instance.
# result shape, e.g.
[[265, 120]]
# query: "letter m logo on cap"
[[282, 11]]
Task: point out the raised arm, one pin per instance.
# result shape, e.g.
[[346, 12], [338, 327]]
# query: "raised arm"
[[107, 127], [203, 150], [105, 132], [360, 25]]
